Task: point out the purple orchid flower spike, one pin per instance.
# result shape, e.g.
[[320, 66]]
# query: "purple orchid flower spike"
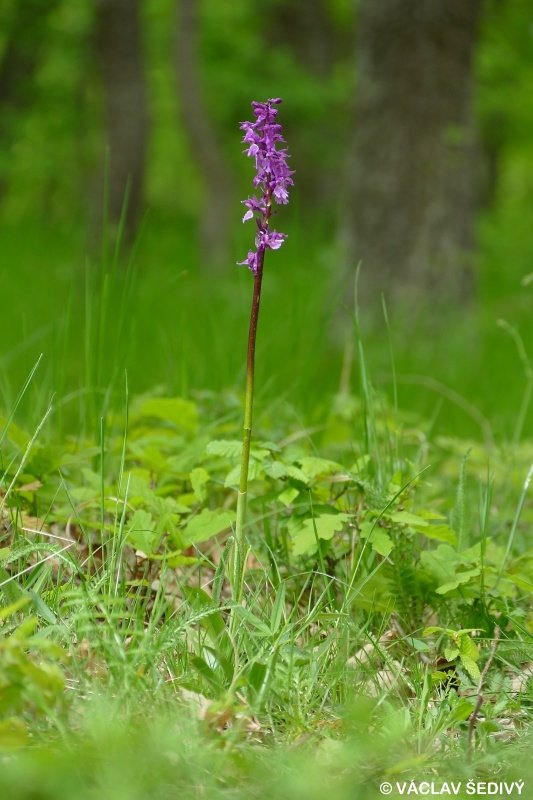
[[273, 177], [264, 143]]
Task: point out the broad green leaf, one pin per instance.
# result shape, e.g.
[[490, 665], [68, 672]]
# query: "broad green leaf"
[[462, 710], [286, 497], [459, 579], [441, 563], [255, 471], [207, 524], [471, 667], [406, 518], [312, 466], [451, 653], [325, 526], [441, 533], [378, 537], [424, 523], [381, 541], [467, 647], [141, 532]]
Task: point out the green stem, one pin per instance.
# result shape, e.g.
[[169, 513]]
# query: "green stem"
[[239, 557]]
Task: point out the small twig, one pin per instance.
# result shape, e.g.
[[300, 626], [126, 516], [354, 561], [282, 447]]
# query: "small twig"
[[480, 698]]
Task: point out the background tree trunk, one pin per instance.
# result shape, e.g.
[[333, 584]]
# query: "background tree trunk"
[[119, 50], [411, 212], [26, 38], [215, 221]]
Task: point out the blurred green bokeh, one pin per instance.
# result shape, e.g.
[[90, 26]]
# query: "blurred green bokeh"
[[163, 312]]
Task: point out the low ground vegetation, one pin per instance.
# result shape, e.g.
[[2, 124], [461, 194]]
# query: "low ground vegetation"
[[386, 632]]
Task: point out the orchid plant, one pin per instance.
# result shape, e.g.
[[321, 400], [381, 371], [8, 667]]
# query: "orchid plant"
[[264, 140]]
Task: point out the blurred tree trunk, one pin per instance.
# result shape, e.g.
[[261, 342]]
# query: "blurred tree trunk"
[[215, 221], [411, 212], [26, 37], [118, 44]]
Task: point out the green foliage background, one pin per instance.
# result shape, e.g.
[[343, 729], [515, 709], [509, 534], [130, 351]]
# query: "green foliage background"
[[174, 307]]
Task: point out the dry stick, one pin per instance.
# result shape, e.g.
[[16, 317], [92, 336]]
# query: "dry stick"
[[480, 699]]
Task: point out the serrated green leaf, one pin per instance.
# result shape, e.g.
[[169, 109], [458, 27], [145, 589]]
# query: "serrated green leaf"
[[467, 647], [451, 653], [227, 448], [471, 667]]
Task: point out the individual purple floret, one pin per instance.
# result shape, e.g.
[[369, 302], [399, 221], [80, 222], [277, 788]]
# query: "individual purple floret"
[[273, 177]]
